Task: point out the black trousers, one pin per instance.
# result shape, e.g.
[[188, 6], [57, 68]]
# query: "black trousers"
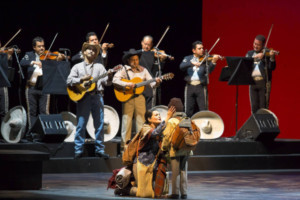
[[148, 94], [195, 95], [258, 95], [3, 102], [37, 103]]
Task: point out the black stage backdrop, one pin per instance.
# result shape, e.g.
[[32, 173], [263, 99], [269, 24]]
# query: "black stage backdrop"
[[129, 22]]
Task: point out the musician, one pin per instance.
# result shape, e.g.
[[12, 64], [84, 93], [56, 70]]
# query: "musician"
[[196, 80], [92, 102], [136, 105], [4, 98], [92, 38], [262, 64], [178, 158], [150, 62], [37, 103]]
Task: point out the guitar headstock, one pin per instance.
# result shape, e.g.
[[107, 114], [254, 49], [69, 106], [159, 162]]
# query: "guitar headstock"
[[117, 68], [167, 76]]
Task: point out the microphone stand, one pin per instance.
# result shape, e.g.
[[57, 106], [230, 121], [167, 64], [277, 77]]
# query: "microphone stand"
[[21, 77], [207, 77], [157, 90]]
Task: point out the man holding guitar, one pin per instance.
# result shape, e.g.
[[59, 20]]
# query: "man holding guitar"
[[124, 83], [92, 101]]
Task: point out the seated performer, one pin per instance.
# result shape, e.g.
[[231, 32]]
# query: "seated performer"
[[262, 74], [92, 38], [196, 80], [150, 164], [92, 102], [37, 103], [134, 107]]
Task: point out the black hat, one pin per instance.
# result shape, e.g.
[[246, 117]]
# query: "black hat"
[[177, 103], [128, 54]]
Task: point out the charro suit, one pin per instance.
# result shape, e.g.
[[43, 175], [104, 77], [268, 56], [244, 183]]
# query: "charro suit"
[[196, 84], [262, 73]]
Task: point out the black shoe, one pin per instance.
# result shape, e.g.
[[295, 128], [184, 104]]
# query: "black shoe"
[[183, 196], [102, 155], [173, 196], [77, 155]]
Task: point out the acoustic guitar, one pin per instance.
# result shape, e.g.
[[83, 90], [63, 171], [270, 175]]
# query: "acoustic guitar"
[[77, 92], [124, 94]]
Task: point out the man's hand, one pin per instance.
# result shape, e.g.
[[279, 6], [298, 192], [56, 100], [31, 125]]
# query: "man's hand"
[[258, 56], [38, 63], [85, 78], [130, 85]]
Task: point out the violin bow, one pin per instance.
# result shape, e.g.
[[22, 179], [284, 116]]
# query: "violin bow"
[[162, 37], [103, 33], [269, 35], [210, 51], [12, 38], [51, 45]]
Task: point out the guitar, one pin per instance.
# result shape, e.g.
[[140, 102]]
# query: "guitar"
[[124, 94], [77, 92]]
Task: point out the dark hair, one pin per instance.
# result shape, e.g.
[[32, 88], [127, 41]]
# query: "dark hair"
[[92, 47], [261, 38], [177, 103], [37, 39], [195, 44], [148, 114], [88, 35]]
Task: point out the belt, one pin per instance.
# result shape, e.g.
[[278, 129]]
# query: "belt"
[[194, 82], [258, 78], [96, 92]]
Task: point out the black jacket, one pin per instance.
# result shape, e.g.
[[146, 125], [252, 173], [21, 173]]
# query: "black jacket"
[[270, 65], [187, 66]]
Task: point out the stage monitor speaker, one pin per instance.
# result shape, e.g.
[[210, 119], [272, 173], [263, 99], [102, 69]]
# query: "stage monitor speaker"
[[259, 127], [50, 128]]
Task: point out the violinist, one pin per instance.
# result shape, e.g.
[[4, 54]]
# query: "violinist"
[[36, 101], [149, 60], [264, 64], [5, 56], [92, 38], [196, 80]]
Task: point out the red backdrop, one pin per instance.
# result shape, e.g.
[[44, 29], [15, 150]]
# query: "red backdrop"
[[237, 23]]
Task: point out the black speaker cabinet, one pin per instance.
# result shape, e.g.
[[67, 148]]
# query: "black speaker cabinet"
[[260, 127], [50, 128]]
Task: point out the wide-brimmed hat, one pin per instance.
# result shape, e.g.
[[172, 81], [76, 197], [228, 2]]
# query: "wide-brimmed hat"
[[210, 124], [14, 124], [85, 45], [111, 124], [70, 121], [128, 54]]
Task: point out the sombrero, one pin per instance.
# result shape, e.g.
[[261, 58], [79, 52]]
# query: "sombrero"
[[210, 124], [14, 124]]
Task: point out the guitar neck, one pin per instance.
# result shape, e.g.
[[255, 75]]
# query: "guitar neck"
[[99, 77], [144, 83]]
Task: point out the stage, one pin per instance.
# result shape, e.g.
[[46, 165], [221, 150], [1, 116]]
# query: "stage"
[[201, 185]]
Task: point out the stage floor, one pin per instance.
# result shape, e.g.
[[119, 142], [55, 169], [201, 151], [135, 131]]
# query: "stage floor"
[[201, 185]]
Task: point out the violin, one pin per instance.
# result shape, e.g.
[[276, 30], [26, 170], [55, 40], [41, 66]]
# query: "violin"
[[47, 55], [267, 52], [109, 45], [161, 54], [210, 58], [7, 50]]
